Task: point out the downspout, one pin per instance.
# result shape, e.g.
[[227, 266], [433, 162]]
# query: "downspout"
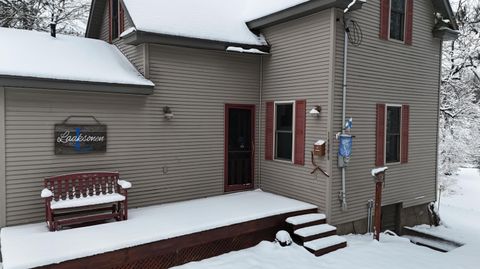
[[343, 193]]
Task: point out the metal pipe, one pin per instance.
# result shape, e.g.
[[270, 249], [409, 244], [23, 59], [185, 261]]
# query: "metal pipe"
[[343, 193]]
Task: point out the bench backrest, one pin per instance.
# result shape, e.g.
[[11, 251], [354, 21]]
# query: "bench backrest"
[[84, 184]]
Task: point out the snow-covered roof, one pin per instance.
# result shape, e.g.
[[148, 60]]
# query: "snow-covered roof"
[[219, 20], [38, 55]]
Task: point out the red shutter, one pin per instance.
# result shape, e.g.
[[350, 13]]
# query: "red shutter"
[[409, 23], [269, 131], [380, 135], [122, 18], [404, 133], [300, 121], [384, 18]]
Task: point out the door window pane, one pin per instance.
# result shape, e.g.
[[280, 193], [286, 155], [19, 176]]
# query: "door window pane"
[[392, 144], [283, 131]]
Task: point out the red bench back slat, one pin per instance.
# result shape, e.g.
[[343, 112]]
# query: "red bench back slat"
[[82, 184]]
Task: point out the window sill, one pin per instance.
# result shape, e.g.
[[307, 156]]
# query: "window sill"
[[283, 161]]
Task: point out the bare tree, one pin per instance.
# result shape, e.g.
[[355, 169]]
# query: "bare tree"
[[69, 15], [460, 92]]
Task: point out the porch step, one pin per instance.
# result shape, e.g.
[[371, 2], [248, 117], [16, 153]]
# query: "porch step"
[[312, 231], [315, 232], [325, 245], [302, 221]]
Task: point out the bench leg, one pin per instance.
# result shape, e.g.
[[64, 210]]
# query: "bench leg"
[[49, 215], [125, 209]]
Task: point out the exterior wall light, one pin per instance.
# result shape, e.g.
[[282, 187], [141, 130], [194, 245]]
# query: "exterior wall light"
[[167, 113], [315, 112]]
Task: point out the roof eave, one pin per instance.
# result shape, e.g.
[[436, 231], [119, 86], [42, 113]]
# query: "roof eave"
[[301, 10], [74, 85], [139, 37], [444, 7], [446, 34]]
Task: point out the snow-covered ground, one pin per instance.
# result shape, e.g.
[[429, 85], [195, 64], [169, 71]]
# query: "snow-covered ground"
[[460, 213]]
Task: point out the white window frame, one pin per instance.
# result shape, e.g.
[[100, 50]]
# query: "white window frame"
[[275, 130], [404, 23], [385, 136]]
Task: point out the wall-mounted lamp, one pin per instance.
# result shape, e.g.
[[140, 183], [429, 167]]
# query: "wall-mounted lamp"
[[315, 112], [167, 113]]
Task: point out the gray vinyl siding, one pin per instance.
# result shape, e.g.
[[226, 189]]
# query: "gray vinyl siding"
[[299, 68], [388, 72], [105, 28], [165, 160]]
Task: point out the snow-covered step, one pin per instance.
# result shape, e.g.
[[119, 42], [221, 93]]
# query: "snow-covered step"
[[315, 232], [306, 220], [325, 245]]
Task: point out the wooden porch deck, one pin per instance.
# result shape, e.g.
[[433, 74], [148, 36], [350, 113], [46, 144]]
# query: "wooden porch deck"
[[260, 216]]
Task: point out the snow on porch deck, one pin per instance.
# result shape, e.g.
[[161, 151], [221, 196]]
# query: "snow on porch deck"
[[33, 245]]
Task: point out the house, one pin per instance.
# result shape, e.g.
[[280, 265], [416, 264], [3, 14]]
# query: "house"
[[217, 96]]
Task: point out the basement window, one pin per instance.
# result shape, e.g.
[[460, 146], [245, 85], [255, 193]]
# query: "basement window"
[[284, 131], [397, 19]]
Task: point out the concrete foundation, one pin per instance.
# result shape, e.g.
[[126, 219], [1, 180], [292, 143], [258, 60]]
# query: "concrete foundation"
[[409, 216]]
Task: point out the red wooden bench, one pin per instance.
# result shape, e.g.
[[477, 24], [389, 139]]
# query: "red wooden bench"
[[84, 197]]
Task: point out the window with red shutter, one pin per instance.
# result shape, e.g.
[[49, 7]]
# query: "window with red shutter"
[[396, 20], [392, 135], [284, 130], [300, 123]]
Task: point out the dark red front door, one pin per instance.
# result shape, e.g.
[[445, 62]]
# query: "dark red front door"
[[239, 146]]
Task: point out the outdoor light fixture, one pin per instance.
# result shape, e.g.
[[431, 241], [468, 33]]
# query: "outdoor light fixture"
[[316, 111], [168, 114]]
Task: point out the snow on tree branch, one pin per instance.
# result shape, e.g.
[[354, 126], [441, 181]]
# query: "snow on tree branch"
[[70, 15]]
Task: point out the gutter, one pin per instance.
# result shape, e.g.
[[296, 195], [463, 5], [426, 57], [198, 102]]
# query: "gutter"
[[302, 10], [139, 37]]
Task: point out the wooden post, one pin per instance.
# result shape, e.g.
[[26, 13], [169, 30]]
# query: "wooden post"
[[379, 180]]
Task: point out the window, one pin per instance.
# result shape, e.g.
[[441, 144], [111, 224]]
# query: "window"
[[397, 19], [284, 131], [115, 18], [393, 134]]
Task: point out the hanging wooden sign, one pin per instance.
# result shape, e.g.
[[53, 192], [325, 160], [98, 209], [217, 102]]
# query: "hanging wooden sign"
[[80, 138]]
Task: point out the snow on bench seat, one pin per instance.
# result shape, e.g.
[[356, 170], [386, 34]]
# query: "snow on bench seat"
[[325, 242], [313, 230], [87, 201], [302, 219], [24, 246]]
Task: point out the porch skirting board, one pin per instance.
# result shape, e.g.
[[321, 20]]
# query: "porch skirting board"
[[187, 248]]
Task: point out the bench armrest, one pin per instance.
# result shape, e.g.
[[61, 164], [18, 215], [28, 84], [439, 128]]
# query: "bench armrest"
[[124, 184], [46, 193]]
